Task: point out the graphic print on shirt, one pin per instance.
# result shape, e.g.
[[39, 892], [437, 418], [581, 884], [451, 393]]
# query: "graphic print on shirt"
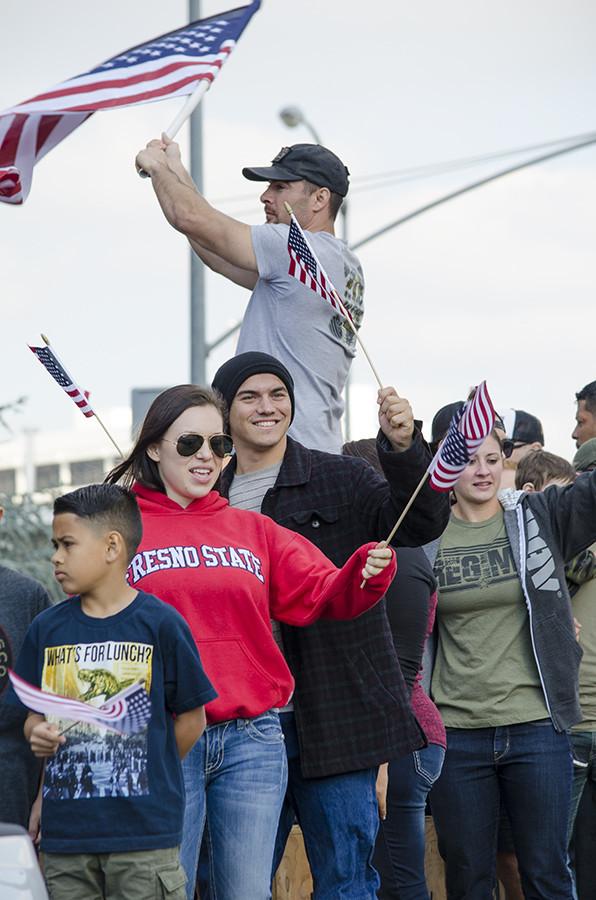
[[353, 300], [462, 568], [96, 762], [6, 659], [189, 557]]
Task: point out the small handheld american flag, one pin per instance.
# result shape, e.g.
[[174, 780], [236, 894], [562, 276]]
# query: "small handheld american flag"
[[126, 713], [50, 361], [306, 268], [468, 429]]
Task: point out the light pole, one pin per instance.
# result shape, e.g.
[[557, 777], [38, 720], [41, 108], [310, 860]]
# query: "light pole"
[[292, 116], [198, 349]]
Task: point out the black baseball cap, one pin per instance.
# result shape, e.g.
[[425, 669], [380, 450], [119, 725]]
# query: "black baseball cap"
[[308, 162], [527, 429]]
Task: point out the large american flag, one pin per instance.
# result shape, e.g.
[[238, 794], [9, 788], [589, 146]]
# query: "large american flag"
[[306, 268], [50, 361], [469, 428], [167, 66], [126, 713]]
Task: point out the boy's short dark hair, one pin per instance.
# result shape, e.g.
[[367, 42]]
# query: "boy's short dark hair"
[[110, 505], [588, 395], [539, 467]]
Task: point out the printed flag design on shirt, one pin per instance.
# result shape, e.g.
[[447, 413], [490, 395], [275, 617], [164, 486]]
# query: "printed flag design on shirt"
[[167, 66], [468, 429], [50, 361], [306, 268], [126, 713]]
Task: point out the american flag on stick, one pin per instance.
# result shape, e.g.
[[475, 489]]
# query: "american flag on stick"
[[50, 361], [306, 268], [168, 66], [126, 713], [468, 429]]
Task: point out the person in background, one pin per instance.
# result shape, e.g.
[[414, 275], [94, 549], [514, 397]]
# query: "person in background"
[[403, 783], [505, 676], [21, 600], [523, 433], [581, 578], [585, 416]]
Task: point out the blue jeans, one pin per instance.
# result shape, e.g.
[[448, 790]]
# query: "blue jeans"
[[528, 768], [235, 778], [399, 853], [583, 745], [582, 813], [339, 819]]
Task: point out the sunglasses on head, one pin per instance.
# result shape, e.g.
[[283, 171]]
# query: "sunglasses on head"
[[188, 444]]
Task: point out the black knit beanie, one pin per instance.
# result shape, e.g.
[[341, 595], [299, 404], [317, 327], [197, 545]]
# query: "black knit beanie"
[[231, 376]]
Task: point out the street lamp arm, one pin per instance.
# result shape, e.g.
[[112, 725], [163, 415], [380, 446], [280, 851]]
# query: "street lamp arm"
[[467, 188]]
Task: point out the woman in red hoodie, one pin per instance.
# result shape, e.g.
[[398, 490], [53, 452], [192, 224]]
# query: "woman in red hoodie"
[[228, 572]]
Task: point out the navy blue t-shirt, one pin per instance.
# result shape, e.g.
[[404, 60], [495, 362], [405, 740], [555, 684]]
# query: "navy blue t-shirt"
[[105, 792]]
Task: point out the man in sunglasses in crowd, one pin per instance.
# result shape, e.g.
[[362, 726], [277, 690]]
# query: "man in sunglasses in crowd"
[[523, 434], [350, 710]]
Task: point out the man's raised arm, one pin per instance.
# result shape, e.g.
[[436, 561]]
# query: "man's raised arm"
[[223, 243]]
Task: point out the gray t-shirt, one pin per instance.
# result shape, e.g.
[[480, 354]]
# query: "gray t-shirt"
[[291, 322], [21, 599]]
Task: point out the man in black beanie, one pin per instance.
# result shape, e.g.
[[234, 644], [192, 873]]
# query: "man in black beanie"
[[350, 711]]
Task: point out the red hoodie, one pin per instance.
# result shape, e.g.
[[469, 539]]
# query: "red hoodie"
[[228, 572]]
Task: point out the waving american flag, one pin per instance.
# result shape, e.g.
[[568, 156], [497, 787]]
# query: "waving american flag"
[[126, 713], [306, 268], [468, 429], [167, 66], [50, 361]]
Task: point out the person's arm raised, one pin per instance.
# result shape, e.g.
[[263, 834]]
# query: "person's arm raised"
[[188, 211]]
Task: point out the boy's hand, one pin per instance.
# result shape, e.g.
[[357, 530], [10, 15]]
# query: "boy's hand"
[[45, 739], [377, 560]]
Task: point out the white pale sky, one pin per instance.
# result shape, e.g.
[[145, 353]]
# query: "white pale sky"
[[499, 284]]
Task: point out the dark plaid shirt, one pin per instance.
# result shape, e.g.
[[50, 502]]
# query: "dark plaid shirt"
[[351, 703]]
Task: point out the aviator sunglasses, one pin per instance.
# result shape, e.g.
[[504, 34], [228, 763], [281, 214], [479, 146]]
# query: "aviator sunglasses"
[[188, 444]]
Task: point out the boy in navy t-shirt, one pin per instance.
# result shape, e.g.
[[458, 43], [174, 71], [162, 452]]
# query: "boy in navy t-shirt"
[[112, 803]]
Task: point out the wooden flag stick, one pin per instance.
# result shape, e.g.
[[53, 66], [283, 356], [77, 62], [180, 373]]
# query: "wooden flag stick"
[[184, 113], [46, 341], [347, 316], [405, 510]]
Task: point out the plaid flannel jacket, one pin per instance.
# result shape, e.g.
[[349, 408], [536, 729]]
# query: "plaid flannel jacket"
[[351, 704]]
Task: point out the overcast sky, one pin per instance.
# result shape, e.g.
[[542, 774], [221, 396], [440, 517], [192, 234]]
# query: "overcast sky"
[[499, 284]]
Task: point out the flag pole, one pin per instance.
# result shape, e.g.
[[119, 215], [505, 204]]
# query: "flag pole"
[[184, 113], [46, 341], [404, 513], [347, 317], [192, 101]]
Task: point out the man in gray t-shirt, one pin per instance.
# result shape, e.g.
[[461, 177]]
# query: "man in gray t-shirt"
[[284, 317]]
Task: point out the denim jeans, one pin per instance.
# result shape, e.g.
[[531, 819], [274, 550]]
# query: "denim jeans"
[[339, 819], [399, 853], [582, 814], [528, 768], [235, 777], [583, 745]]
